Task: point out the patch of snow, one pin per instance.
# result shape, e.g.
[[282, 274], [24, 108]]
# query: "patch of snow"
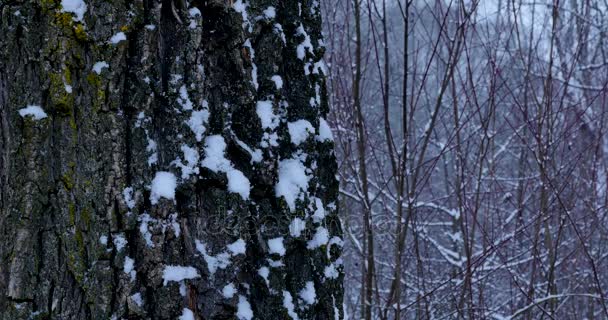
[[35, 111], [103, 240], [68, 88], [220, 261], [288, 304], [178, 273], [292, 181], [238, 183], [187, 314], [325, 133], [264, 272], [182, 289], [120, 36], [143, 229], [299, 131], [192, 158], [244, 311], [127, 195], [119, 242], [151, 147], [99, 65], [278, 81], [254, 68], [215, 161], [319, 214], [267, 116], [129, 268], [228, 291], [270, 13], [137, 299], [331, 272], [163, 186], [305, 45], [308, 294], [193, 12], [77, 7], [238, 247], [174, 224], [296, 227], [278, 29], [256, 156], [276, 246], [275, 264], [183, 99], [320, 238], [197, 122], [214, 154]]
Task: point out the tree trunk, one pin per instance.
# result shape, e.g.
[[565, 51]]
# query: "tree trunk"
[[161, 159]]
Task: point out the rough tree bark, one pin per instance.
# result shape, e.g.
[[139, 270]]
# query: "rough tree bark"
[[84, 234]]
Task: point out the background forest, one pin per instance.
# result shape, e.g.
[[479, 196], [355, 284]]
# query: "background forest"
[[471, 145]]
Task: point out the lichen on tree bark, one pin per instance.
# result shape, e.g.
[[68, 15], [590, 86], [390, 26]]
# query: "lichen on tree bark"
[[75, 200]]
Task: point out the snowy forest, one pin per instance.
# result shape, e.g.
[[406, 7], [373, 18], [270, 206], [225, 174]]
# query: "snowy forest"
[[471, 140], [304, 159]]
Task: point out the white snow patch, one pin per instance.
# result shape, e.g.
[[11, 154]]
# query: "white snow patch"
[[296, 227], [254, 68], [127, 195], [129, 268], [183, 99], [77, 7], [278, 29], [292, 181], [99, 65], [256, 156], [267, 116], [215, 161], [178, 273], [270, 12], [275, 263], [278, 81], [119, 242], [214, 154], [288, 304], [228, 291], [305, 45], [331, 272], [120, 36], [197, 122], [308, 294], [320, 238], [276, 246], [143, 229], [325, 133], [35, 111], [163, 186], [187, 314], [193, 12], [244, 311], [220, 261], [192, 158], [300, 130], [319, 214], [237, 247], [264, 272], [137, 299], [151, 147], [238, 183], [103, 240]]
